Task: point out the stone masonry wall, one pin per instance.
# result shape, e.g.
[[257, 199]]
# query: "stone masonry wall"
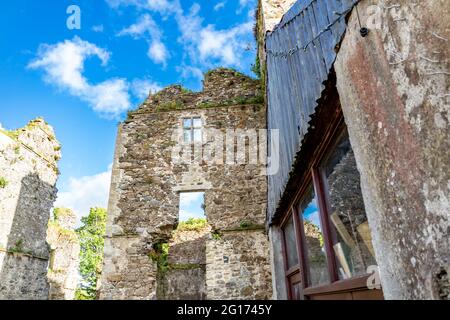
[[185, 278], [64, 255], [273, 11], [238, 267], [394, 89], [146, 182], [28, 174]]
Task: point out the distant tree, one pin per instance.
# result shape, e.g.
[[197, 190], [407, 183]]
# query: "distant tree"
[[91, 252]]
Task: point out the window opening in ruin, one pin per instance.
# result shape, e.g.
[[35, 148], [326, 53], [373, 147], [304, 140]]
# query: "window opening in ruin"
[[181, 259], [192, 130], [192, 206]]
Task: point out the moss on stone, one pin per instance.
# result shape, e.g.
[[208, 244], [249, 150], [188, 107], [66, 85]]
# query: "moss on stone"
[[184, 266], [149, 180], [3, 183], [232, 102], [225, 72], [18, 248], [245, 225], [12, 134], [173, 105]]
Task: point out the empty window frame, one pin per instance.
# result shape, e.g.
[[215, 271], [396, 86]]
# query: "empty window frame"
[[192, 206], [192, 130]]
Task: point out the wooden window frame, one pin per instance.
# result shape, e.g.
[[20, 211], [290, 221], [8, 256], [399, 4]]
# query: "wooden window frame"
[[316, 177], [289, 271]]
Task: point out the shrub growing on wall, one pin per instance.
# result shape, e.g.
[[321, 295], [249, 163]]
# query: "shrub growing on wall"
[[91, 252]]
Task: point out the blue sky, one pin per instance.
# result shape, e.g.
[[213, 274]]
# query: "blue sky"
[[191, 205], [83, 81]]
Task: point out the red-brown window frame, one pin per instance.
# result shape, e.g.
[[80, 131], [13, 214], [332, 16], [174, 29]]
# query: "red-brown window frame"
[[316, 177]]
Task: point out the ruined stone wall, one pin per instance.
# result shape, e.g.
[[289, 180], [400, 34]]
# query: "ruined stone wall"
[[273, 11], [185, 276], [64, 255], [28, 174], [394, 87], [146, 182], [238, 266]]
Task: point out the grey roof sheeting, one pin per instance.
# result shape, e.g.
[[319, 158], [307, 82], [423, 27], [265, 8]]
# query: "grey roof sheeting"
[[300, 55]]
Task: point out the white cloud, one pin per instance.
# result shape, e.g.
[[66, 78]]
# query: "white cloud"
[[189, 198], [110, 97], [190, 72], [86, 192], [224, 45], [220, 5], [63, 64], [203, 46], [161, 6], [142, 87], [148, 29], [145, 24], [99, 28], [245, 3], [210, 47], [158, 52]]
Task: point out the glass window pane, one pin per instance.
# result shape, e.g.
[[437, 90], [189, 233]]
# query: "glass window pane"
[[197, 135], [197, 122], [352, 239], [291, 244], [187, 123], [315, 246], [187, 135]]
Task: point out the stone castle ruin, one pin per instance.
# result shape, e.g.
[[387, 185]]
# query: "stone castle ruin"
[[64, 255], [228, 260], [359, 205], [38, 256], [28, 174]]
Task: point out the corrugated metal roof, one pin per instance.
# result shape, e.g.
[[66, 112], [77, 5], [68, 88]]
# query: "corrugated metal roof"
[[300, 55]]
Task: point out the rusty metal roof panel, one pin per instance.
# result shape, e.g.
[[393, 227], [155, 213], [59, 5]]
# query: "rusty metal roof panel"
[[300, 55]]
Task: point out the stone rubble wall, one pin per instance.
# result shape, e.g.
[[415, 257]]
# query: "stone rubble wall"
[[64, 255], [28, 174], [237, 266], [394, 87], [144, 198], [185, 277]]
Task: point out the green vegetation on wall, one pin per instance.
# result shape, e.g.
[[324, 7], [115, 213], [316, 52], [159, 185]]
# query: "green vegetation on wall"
[[256, 68], [193, 224], [3, 183], [91, 252]]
